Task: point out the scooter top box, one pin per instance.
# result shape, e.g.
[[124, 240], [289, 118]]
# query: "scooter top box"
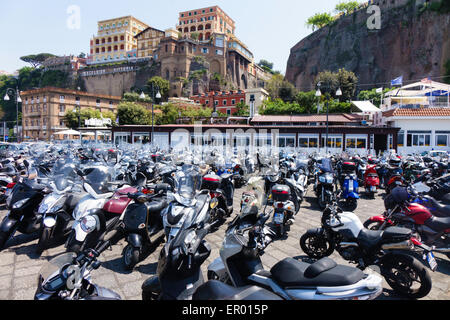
[[280, 193], [211, 182], [348, 167]]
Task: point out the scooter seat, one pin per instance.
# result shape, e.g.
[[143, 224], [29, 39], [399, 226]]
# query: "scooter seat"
[[438, 224], [157, 206], [291, 273], [216, 290]]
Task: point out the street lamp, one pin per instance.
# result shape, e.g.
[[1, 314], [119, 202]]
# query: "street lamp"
[[318, 94], [16, 93]]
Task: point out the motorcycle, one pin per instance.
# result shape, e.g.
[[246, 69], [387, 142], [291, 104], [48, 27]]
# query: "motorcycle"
[[324, 183], [240, 264], [344, 232], [433, 231]]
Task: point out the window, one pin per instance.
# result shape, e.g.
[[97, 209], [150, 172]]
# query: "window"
[[442, 138], [401, 139], [229, 112], [233, 102], [216, 102], [61, 98], [207, 102], [205, 50], [418, 139], [308, 142], [62, 108], [333, 142], [286, 141], [224, 102], [98, 102], [61, 123]]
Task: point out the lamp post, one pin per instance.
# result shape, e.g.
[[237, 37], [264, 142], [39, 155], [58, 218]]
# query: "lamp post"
[[16, 94], [319, 94], [155, 98]]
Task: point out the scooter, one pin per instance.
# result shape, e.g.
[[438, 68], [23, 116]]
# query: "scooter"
[[22, 203], [68, 277], [371, 180], [240, 264], [142, 225]]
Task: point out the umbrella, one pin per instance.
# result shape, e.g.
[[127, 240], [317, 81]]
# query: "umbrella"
[[68, 133]]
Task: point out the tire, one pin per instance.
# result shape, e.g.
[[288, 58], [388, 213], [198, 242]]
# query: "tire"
[[401, 271], [279, 229], [44, 240], [149, 296], [315, 245], [351, 205], [372, 225], [131, 257]]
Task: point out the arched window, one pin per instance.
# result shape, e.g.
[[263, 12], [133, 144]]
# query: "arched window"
[[200, 28], [167, 74], [208, 26], [186, 29], [193, 29]]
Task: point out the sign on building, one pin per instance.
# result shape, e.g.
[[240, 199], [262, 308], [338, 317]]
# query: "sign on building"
[[97, 122]]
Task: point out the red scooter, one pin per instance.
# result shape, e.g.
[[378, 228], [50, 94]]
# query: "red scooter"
[[371, 180]]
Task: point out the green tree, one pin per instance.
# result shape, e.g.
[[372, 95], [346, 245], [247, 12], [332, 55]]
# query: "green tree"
[[135, 97], [131, 113], [71, 117], [347, 7], [36, 60], [319, 20], [307, 100], [332, 81], [242, 110], [162, 84], [279, 88]]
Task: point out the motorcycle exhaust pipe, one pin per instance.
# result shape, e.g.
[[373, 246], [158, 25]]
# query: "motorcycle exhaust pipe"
[[399, 245]]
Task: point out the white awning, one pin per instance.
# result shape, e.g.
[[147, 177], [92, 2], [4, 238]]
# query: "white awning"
[[69, 133], [366, 106]]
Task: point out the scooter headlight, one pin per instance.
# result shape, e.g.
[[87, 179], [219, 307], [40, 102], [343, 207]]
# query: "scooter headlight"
[[88, 224], [20, 203]]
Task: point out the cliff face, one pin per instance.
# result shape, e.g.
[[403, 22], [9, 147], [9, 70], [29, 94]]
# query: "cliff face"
[[415, 45]]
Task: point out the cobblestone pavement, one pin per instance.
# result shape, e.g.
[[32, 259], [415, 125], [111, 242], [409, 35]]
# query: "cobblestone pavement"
[[19, 265]]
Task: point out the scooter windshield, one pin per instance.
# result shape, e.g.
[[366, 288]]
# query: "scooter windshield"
[[326, 165], [188, 184], [98, 178], [54, 266]]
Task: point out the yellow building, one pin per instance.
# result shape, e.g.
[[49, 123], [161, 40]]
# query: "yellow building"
[[115, 40], [148, 41]]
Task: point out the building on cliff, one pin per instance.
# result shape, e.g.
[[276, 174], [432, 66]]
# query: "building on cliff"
[[115, 40], [202, 54]]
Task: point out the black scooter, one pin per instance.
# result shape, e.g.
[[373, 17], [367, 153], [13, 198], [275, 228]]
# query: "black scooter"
[[22, 203], [143, 226]]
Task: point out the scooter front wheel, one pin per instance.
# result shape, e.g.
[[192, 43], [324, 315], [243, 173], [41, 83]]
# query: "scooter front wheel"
[[131, 257], [44, 240]]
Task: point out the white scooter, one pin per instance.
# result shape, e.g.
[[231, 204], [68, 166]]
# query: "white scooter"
[[240, 265]]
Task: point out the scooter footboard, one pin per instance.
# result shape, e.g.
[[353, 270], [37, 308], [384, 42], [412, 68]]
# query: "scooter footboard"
[[217, 270], [366, 289]]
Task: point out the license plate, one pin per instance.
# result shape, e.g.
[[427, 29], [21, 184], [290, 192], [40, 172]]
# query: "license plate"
[[8, 192], [279, 218], [373, 189], [431, 261]]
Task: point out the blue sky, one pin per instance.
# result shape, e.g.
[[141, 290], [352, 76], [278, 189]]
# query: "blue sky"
[[269, 28]]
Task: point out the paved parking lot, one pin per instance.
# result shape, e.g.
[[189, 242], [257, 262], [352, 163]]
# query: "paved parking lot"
[[19, 265]]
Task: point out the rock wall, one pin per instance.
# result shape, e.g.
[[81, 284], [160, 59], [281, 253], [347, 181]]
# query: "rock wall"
[[410, 43]]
